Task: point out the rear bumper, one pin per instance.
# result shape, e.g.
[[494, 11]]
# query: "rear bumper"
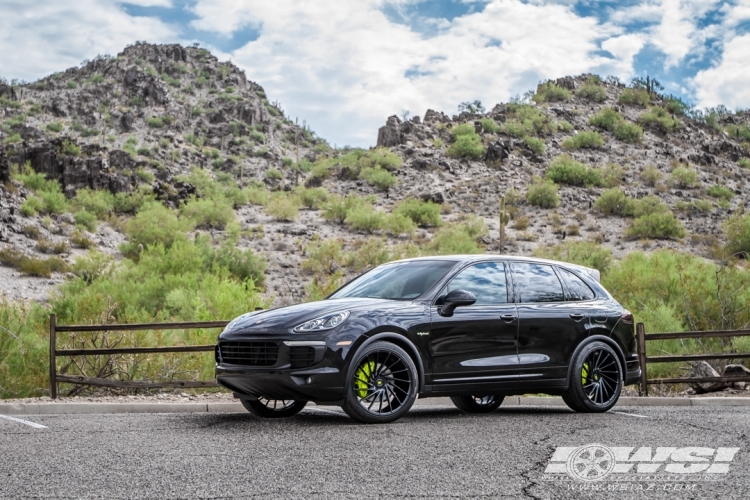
[[633, 372]]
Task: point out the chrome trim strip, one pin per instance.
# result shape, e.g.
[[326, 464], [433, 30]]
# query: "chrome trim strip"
[[301, 343], [494, 377]]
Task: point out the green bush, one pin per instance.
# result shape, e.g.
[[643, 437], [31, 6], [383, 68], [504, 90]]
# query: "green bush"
[[737, 230], [722, 192], [99, 203], [467, 146], [86, 220], [744, 162], [273, 174], [32, 206], [584, 140], [684, 177], [566, 170], [397, 224], [463, 129], [71, 84], [283, 207], [543, 193], [651, 175], [337, 208], [659, 119], [54, 127], [54, 202], [592, 92], [638, 97], [257, 195], [606, 119], [550, 92], [365, 218], [612, 174], [208, 212], [583, 253], [614, 202], [423, 213], [79, 240], [631, 133], [662, 225], [528, 120], [649, 205], [257, 137], [452, 240], [154, 122], [379, 178], [13, 139], [71, 148], [535, 144], [144, 175], [154, 224], [565, 126], [313, 198], [490, 126]]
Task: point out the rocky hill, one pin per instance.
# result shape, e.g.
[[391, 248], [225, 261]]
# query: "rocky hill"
[[625, 167]]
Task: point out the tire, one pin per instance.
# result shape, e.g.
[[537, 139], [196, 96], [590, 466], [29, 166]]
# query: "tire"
[[596, 379], [383, 384], [477, 404], [273, 408]]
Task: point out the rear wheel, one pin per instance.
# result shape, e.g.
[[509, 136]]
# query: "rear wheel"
[[273, 408], [477, 404], [597, 379], [383, 385]]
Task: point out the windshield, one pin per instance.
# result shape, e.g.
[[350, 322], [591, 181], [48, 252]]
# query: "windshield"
[[397, 281]]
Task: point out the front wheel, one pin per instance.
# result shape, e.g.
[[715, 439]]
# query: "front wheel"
[[477, 404], [273, 408], [596, 380]]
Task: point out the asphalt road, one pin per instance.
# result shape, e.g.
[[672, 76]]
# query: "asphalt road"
[[434, 452]]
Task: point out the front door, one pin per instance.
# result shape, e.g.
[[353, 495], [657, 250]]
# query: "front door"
[[478, 344]]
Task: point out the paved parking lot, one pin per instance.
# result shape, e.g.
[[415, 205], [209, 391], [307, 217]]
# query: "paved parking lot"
[[434, 452]]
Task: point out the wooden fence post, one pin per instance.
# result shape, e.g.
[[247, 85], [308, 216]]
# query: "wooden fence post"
[[52, 358], [640, 331]]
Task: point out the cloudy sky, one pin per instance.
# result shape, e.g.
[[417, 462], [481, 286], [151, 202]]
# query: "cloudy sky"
[[346, 65]]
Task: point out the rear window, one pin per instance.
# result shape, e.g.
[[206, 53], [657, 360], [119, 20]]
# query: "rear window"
[[537, 283], [577, 289]]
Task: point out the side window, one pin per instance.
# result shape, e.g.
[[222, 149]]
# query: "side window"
[[537, 283], [485, 280], [576, 286]]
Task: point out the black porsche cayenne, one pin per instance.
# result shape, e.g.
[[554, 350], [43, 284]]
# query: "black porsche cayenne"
[[475, 328]]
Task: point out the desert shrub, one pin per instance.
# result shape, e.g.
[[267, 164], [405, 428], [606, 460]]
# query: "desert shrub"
[[14, 138], [684, 177], [54, 127], [313, 197], [79, 240], [649, 205], [85, 219], [535, 144], [612, 174], [257, 137], [702, 205], [70, 148], [631, 133], [566, 170], [154, 122], [125, 203], [543, 193], [257, 195], [208, 212], [659, 119], [144, 175], [379, 178], [273, 174], [396, 224], [722, 192], [474, 226], [637, 97], [31, 206], [283, 207], [463, 129], [651, 175], [365, 218], [54, 201], [154, 224], [550, 92], [31, 266], [662, 225], [614, 202], [323, 257], [338, 207], [242, 264], [528, 120], [452, 240], [744, 162], [99, 203], [35, 181], [565, 126], [490, 126], [592, 91], [521, 223], [737, 230], [371, 252], [581, 140], [606, 119], [467, 146], [423, 213], [583, 253]]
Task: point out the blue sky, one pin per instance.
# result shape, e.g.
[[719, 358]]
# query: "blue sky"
[[345, 66]]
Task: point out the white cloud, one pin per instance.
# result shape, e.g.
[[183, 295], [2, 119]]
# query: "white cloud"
[[726, 83], [39, 37]]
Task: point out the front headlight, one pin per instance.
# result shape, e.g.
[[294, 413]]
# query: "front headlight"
[[322, 323]]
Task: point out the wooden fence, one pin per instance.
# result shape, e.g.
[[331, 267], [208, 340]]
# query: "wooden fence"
[[54, 353], [642, 338]]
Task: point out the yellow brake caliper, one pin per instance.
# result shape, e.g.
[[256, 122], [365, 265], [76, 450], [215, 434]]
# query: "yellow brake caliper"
[[584, 373], [361, 376]]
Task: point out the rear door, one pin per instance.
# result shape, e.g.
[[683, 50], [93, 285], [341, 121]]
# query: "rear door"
[[550, 327], [479, 342]]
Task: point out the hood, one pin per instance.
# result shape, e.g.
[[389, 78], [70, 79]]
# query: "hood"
[[283, 319]]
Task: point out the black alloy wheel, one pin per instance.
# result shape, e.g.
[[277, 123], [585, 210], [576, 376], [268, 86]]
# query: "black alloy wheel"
[[478, 404], [273, 408], [383, 384], [596, 380]]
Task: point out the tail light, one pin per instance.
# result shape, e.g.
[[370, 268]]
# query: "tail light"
[[627, 317]]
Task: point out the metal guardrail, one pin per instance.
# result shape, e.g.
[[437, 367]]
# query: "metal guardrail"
[[642, 338], [54, 353]]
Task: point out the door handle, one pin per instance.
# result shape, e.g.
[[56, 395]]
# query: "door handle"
[[507, 317], [577, 316]]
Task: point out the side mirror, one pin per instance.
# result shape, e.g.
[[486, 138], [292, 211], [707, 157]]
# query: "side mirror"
[[455, 299]]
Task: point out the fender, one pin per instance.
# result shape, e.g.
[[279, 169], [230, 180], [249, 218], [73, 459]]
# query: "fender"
[[402, 342], [607, 340]]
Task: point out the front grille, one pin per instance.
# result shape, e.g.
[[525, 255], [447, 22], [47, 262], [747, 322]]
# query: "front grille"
[[249, 353], [300, 357]]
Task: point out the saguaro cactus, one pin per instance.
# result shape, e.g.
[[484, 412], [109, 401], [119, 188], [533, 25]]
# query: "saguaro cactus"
[[504, 219]]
